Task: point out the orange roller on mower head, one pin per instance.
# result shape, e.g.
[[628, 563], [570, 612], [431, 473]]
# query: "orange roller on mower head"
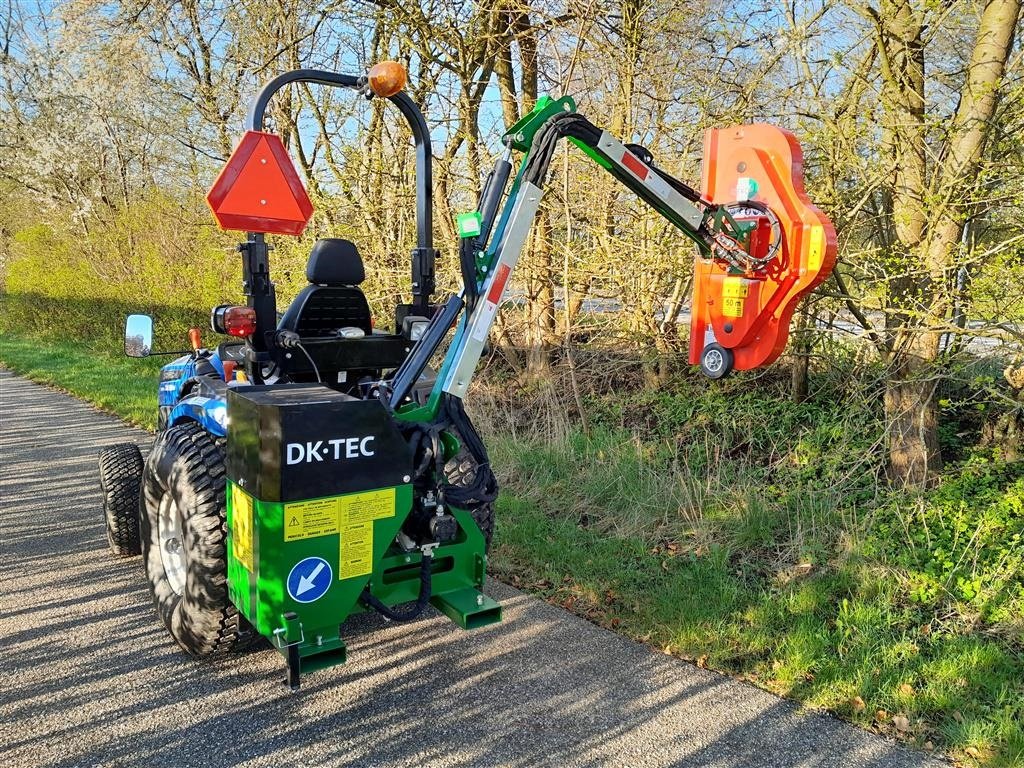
[[742, 307]]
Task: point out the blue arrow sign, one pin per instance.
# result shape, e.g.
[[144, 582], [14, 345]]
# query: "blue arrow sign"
[[309, 579]]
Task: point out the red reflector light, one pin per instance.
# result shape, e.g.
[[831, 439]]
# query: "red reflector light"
[[239, 321], [634, 164]]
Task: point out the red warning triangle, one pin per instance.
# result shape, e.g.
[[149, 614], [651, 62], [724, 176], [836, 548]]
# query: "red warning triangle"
[[259, 189]]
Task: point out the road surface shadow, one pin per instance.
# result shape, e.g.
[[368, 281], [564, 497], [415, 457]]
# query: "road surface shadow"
[[93, 679]]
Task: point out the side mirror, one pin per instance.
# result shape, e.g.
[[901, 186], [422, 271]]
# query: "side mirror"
[[138, 336]]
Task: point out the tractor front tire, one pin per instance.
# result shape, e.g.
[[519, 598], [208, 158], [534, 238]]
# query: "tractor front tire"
[[184, 541], [120, 474]]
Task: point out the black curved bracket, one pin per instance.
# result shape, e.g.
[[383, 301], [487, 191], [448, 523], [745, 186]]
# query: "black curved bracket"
[[408, 108]]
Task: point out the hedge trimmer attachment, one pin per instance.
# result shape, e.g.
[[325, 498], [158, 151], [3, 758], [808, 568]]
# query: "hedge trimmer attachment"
[[742, 303], [761, 244]]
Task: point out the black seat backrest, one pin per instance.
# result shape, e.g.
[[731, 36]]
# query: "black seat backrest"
[[333, 300]]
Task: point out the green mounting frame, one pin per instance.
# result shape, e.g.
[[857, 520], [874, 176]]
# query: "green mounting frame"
[[308, 635]]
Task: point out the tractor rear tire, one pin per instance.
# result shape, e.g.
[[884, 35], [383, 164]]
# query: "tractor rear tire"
[[184, 541], [461, 470], [120, 474]]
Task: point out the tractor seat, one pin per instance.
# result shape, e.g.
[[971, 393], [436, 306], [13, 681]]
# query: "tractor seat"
[[333, 299]]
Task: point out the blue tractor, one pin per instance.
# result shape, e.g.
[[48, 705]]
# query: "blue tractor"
[[316, 417]]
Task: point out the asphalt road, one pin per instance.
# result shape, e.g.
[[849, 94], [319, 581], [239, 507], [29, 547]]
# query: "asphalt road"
[[89, 677]]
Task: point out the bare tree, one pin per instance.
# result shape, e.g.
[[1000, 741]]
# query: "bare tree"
[[930, 196]]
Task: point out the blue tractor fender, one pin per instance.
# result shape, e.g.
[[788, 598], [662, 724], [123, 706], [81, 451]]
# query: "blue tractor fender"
[[175, 377], [209, 412]]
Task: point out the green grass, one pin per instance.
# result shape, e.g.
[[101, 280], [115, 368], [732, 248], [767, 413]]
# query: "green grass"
[[119, 384], [759, 546], [753, 536], [839, 638]]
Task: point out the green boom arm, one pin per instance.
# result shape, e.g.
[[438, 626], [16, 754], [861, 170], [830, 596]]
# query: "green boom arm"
[[488, 263]]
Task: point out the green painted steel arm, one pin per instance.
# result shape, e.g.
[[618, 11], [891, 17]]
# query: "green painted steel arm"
[[708, 225]]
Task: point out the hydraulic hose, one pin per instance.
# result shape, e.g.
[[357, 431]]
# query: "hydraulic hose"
[[411, 611], [576, 126], [484, 488]]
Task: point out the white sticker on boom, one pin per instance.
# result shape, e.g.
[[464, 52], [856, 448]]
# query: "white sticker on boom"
[[483, 321], [658, 185]]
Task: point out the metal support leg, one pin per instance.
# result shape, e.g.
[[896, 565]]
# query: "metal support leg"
[[288, 638]]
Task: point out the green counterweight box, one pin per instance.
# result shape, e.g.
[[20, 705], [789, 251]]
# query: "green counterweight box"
[[319, 484]]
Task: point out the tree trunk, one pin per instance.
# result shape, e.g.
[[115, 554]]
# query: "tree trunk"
[[540, 336], [928, 234], [912, 413]]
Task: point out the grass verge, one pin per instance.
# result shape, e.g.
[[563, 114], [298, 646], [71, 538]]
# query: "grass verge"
[[758, 547], [121, 385], [751, 535]]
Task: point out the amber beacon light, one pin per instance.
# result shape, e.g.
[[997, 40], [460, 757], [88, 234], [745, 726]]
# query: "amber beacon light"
[[386, 78]]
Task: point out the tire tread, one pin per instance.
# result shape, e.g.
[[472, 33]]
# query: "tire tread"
[[120, 470], [204, 623]]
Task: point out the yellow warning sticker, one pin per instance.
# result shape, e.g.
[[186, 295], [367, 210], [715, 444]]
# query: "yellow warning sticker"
[[355, 557], [735, 288], [734, 294], [366, 507], [816, 250], [241, 526], [356, 515], [306, 519]]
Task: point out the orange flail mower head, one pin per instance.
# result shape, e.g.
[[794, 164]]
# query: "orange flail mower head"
[[740, 314]]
